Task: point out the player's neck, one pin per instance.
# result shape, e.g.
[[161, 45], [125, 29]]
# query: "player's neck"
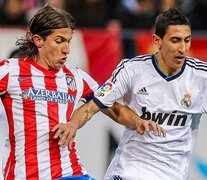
[[168, 68]]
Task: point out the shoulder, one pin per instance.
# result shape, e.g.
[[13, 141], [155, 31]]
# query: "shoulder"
[[76, 71], [196, 64], [9, 62], [137, 60], [132, 68], [73, 69]]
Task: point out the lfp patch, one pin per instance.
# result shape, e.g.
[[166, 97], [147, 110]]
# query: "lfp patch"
[[106, 87]]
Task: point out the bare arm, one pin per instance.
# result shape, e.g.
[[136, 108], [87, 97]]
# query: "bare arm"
[[125, 116], [67, 132], [119, 113]]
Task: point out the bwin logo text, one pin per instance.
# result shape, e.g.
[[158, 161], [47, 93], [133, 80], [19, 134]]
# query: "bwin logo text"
[[171, 119]]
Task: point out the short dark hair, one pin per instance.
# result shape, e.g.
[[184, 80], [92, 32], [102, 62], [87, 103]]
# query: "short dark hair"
[[170, 17], [43, 23]]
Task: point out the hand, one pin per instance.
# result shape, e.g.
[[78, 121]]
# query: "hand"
[[66, 133], [147, 125]]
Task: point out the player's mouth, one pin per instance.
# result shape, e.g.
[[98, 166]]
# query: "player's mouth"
[[180, 59], [63, 60]]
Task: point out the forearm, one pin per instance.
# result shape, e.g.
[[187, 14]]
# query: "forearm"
[[123, 115], [83, 114], [66, 132]]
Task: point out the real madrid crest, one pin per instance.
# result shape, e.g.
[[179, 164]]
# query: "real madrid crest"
[[186, 101], [71, 83]]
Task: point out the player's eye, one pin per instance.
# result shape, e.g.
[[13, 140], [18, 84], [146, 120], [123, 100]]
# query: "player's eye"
[[58, 41], [187, 40], [175, 40]]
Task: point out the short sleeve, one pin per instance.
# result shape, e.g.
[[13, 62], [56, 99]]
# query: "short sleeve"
[[89, 86], [4, 76], [114, 88]]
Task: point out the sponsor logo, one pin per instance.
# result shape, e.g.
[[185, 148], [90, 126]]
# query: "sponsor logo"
[[117, 177], [23, 79], [143, 91], [46, 95], [186, 101], [171, 119], [71, 83]]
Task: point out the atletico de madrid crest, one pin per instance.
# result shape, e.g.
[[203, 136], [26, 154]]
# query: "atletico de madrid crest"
[[71, 83], [186, 101]]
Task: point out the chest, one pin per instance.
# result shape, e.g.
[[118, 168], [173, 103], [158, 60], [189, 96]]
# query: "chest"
[[39, 87], [181, 94]]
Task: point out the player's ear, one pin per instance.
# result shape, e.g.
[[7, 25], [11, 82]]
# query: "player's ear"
[[157, 40], [38, 40]]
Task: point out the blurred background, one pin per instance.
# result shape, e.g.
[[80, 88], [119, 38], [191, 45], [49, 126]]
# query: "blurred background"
[[107, 31]]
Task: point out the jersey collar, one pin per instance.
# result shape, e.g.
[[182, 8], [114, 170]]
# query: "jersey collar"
[[167, 78]]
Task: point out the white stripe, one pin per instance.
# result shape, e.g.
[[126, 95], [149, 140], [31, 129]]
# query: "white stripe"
[[43, 154], [19, 130], [62, 109], [4, 70], [4, 150]]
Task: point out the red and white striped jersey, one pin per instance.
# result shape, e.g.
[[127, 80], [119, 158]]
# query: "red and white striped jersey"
[[35, 100]]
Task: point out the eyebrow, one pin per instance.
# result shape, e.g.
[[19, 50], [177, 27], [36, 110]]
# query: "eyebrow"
[[62, 37], [188, 36], [180, 37]]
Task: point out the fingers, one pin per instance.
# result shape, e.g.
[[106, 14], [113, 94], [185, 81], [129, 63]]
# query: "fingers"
[[163, 132], [150, 126], [140, 130], [157, 129], [56, 127], [66, 134], [68, 138]]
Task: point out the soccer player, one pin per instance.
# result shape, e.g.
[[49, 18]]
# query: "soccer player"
[[167, 87], [40, 92]]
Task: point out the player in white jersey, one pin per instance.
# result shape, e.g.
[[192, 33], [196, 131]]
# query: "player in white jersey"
[[40, 92], [167, 87]]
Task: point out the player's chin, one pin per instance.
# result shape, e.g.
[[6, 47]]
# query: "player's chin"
[[60, 65]]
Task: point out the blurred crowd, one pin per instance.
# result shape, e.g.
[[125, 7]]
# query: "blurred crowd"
[[126, 14]]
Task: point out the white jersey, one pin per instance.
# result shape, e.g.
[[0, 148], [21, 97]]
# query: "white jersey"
[[175, 102]]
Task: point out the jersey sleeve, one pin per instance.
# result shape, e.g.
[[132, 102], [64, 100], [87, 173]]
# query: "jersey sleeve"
[[89, 86], [114, 88], [4, 76]]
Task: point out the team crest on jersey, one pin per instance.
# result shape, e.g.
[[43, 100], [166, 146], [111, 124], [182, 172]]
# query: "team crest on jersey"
[[71, 83], [106, 88], [186, 101]]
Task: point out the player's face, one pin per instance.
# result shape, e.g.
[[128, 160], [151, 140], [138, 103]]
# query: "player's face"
[[53, 51], [173, 48]]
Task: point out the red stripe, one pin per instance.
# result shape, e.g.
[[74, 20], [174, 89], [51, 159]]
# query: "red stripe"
[[56, 169], [76, 167], [4, 83], [9, 169], [77, 170], [87, 90], [2, 62], [29, 123]]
